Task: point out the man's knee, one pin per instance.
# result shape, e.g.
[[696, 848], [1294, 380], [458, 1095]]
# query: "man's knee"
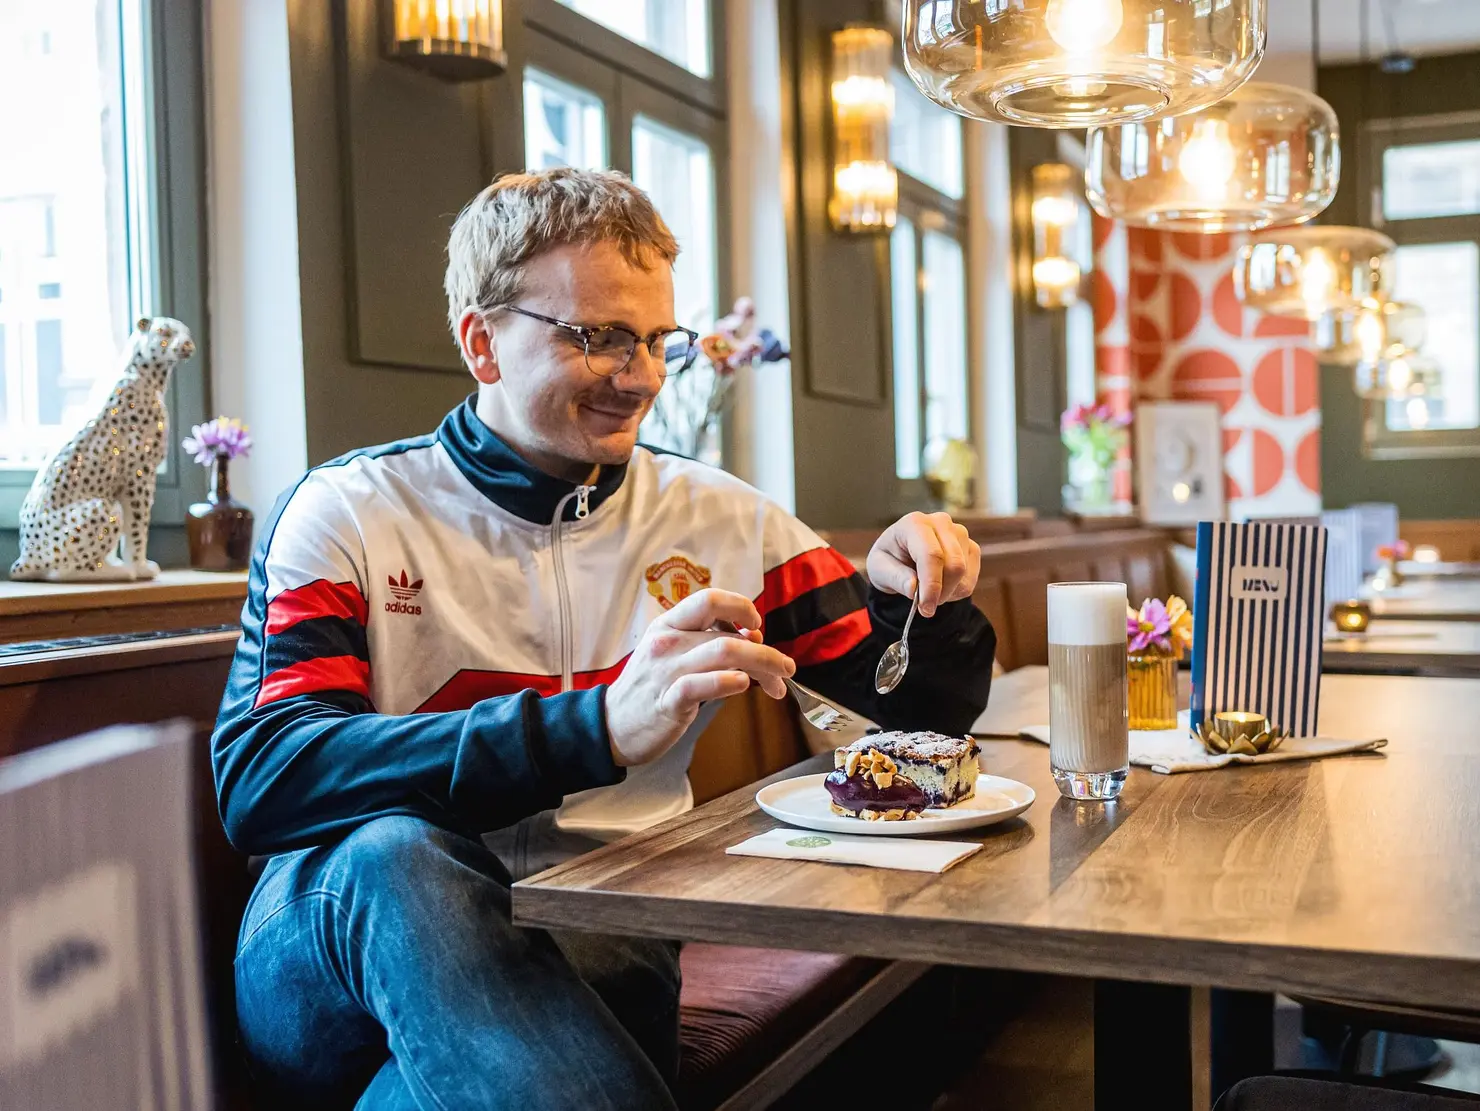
[[403, 847]]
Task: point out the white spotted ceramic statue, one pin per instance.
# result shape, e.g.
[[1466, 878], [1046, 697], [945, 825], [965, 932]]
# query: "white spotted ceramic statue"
[[94, 496]]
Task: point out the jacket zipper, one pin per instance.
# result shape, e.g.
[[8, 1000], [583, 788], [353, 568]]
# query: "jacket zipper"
[[582, 494]]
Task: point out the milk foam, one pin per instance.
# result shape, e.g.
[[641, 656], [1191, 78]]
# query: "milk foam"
[[1086, 613]]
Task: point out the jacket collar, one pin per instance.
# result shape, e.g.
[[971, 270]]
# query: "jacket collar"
[[505, 478]]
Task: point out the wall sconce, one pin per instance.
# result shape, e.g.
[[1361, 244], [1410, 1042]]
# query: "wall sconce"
[[1055, 218], [455, 40], [865, 192]]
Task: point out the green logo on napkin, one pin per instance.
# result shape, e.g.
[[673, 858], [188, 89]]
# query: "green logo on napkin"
[[812, 842]]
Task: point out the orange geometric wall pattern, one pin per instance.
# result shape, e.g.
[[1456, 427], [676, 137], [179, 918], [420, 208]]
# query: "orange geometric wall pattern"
[[1186, 337]]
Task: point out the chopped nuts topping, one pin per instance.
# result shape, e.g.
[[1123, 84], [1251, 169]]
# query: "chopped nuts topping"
[[851, 767]]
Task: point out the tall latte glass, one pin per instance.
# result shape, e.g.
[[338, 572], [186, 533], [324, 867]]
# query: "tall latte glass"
[[1089, 737]]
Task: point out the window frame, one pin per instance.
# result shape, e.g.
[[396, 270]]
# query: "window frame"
[[1379, 442], [565, 25], [175, 109]]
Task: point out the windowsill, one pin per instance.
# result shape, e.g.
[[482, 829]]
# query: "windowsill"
[[176, 600]]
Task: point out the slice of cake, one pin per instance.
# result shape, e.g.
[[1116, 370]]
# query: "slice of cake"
[[866, 784], [944, 769]]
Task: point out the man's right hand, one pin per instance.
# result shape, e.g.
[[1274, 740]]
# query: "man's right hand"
[[681, 662]]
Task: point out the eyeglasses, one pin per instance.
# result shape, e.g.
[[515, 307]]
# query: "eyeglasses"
[[610, 347]]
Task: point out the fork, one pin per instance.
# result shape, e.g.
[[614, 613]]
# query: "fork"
[[820, 714]]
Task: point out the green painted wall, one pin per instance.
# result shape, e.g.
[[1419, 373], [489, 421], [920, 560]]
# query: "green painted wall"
[[1427, 488]]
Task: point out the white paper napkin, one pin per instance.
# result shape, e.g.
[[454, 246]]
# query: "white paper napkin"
[[1170, 751], [907, 853]]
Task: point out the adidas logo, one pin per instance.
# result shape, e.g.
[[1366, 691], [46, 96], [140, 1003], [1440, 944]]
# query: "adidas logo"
[[403, 592]]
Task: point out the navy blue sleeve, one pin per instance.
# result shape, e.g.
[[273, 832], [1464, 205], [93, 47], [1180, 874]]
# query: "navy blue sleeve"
[[820, 612], [950, 672]]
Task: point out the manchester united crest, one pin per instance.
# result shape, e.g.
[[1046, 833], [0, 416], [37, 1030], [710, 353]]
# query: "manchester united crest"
[[674, 579]]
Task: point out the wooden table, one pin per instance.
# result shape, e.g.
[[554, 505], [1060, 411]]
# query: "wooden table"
[[1415, 569], [1407, 648], [1438, 599], [1347, 877]]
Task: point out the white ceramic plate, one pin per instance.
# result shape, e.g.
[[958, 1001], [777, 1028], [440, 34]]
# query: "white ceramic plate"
[[804, 802]]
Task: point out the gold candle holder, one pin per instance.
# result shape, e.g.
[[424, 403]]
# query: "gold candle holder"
[[1351, 617], [1239, 732]]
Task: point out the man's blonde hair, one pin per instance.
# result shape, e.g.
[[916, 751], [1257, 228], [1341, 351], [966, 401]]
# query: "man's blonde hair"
[[521, 216]]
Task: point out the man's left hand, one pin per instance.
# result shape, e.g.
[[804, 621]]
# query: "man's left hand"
[[930, 549]]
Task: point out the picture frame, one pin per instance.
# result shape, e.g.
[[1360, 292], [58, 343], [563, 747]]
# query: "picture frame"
[[1179, 462]]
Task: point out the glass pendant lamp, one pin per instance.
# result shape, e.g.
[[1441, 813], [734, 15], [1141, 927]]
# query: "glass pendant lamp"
[[1080, 63], [1309, 271], [1265, 155], [1372, 332], [1398, 379]]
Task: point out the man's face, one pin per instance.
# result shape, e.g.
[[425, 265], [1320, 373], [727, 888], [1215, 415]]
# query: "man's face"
[[558, 413]]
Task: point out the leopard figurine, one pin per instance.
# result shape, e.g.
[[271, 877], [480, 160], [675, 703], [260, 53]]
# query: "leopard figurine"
[[97, 492]]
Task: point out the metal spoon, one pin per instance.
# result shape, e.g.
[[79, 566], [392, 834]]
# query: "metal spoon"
[[896, 659]]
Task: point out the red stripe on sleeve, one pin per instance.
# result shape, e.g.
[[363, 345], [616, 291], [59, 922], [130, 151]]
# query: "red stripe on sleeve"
[[835, 639], [328, 673], [320, 598], [585, 680], [800, 574]]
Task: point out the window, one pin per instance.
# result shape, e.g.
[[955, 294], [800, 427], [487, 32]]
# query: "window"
[[677, 170], [1428, 200], [676, 29], [904, 280], [1431, 179], [564, 125], [1445, 279], [925, 140], [67, 185], [928, 284], [587, 103]]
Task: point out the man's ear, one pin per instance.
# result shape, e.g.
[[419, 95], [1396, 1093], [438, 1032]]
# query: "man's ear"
[[478, 349]]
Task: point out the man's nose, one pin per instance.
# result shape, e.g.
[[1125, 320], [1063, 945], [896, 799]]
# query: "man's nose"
[[644, 373]]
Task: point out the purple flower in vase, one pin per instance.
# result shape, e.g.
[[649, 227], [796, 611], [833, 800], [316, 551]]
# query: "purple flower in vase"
[[1153, 625], [223, 437]]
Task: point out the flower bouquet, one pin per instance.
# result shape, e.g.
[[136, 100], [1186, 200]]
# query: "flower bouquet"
[[687, 414], [219, 529], [1157, 636], [1095, 435]]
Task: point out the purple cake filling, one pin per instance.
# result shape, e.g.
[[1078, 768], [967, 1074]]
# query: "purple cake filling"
[[857, 793]]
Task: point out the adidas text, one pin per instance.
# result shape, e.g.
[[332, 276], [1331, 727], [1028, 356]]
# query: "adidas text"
[[402, 607]]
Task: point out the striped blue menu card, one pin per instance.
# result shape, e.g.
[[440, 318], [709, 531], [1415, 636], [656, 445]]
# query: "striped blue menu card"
[[1258, 618]]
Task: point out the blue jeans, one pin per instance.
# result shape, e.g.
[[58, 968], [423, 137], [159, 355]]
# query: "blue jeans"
[[384, 972]]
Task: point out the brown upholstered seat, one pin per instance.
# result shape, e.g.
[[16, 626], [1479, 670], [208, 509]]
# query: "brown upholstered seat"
[[742, 1007]]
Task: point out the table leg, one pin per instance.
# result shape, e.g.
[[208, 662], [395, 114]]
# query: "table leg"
[[1143, 1046]]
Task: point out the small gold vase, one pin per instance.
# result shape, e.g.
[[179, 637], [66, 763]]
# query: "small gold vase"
[[1153, 690]]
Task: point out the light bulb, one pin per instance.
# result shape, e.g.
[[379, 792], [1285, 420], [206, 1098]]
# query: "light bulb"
[[1082, 26], [860, 92], [1208, 160], [1400, 375], [1417, 412], [1370, 333], [1058, 211], [1316, 277]]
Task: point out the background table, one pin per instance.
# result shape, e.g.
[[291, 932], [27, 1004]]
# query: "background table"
[[1349, 877], [1407, 648], [1437, 599]]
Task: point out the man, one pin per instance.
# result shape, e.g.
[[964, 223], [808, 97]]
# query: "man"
[[511, 627]]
